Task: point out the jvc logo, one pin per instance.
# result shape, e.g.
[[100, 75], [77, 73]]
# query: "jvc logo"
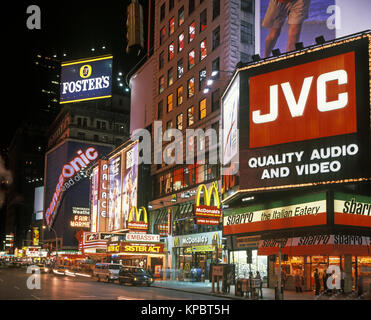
[[306, 101], [297, 107]]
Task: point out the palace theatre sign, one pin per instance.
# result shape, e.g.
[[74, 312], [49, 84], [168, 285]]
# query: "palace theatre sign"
[[304, 119]]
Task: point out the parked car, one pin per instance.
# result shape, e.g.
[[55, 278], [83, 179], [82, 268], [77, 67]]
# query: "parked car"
[[135, 276], [107, 271]]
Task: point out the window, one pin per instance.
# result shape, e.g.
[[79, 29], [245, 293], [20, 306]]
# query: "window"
[[160, 108], [96, 138], [191, 6], [180, 69], [162, 35], [215, 100], [169, 102], [171, 26], [203, 49], [179, 121], [81, 135], [169, 125], [203, 20], [191, 31], [245, 57], [180, 42], [247, 6], [171, 5], [171, 51], [246, 32], [170, 79], [191, 59], [202, 113], [216, 38], [215, 67], [216, 8], [162, 12], [181, 16], [161, 60], [202, 77], [161, 84], [180, 95], [191, 87], [101, 125], [190, 116]]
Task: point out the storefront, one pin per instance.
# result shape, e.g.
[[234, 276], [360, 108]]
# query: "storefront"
[[304, 230], [148, 255], [193, 254], [303, 255]]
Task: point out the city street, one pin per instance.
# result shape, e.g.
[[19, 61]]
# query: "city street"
[[13, 286]]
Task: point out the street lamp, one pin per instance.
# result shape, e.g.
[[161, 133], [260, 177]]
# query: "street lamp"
[[56, 240]]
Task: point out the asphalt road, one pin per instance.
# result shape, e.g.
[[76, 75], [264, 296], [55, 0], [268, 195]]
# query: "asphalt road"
[[13, 286]]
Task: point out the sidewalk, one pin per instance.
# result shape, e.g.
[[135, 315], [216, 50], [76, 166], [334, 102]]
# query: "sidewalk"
[[205, 288]]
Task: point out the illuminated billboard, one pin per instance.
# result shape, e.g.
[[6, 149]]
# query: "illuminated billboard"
[[305, 119], [328, 18], [284, 214], [352, 210], [115, 221], [65, 185], [86, 79], [130, 181]]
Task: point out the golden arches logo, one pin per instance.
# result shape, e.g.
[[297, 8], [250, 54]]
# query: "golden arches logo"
[[216, 240], [85, 71], [208, 194], [138, 214], [176, 242]]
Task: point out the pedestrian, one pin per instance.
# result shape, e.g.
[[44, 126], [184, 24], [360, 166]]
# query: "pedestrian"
[[324, 279], [251, 277], [342, 281], [297, 12], [258, 277], [298, 282], [317, 282]]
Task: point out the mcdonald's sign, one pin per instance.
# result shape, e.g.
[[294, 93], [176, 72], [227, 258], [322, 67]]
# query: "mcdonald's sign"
[[207, 210], [138, 220]]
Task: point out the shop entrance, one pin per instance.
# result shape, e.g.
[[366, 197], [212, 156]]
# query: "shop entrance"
[[193, 266], [258, 263], [157, 267]]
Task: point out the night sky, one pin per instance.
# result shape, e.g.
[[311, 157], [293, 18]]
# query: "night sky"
[[71, 27]]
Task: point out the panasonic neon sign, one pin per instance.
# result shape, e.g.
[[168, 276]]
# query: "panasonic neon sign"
[[68, 171]]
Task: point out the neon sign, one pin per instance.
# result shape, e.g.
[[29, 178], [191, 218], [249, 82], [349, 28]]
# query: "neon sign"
[[68, 171]]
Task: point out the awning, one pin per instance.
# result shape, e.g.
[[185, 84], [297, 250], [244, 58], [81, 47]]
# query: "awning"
[[318, 245]]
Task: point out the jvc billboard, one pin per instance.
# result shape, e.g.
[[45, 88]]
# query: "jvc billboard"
[[304, 119], [86, 79]]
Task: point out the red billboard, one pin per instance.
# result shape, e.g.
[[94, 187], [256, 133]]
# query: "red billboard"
[[304, 119], [309, 101]]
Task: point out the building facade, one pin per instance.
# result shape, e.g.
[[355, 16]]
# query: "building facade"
[[194, 41]]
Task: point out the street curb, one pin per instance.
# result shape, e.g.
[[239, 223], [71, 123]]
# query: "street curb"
[[203, 293]]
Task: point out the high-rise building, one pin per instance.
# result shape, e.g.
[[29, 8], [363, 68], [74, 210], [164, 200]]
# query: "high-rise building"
[[197, 45]]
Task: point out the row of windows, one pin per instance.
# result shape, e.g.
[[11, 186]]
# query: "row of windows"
[[180, 90], [215, 101], [99, 124], [191, 9], [184, 177], [97, 138], [191, 54]]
